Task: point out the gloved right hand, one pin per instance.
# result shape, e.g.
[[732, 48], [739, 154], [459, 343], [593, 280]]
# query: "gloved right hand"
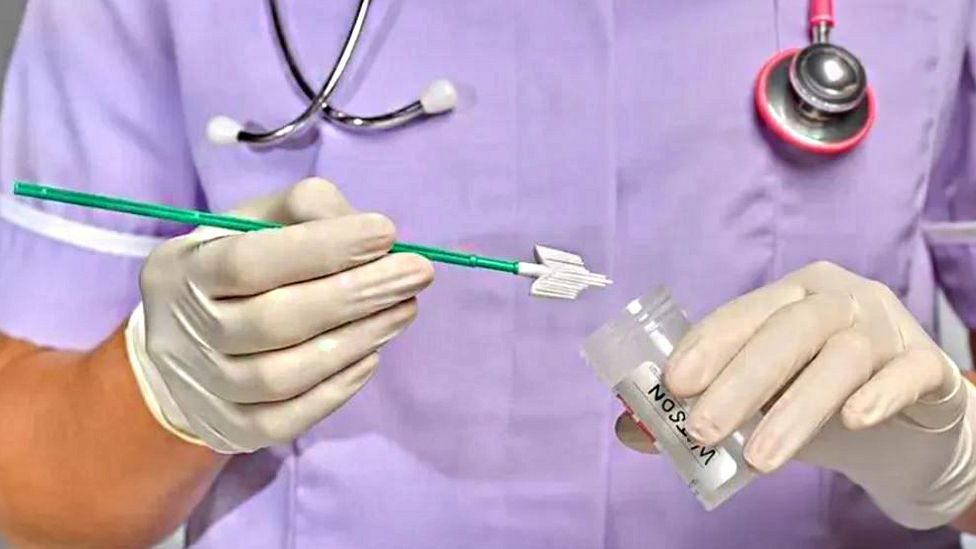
[[245, 340]]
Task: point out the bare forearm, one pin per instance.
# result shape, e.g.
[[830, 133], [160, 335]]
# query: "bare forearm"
[[82, 462]]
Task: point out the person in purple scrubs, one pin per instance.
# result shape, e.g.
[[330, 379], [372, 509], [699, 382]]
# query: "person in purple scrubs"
[[151, 375]]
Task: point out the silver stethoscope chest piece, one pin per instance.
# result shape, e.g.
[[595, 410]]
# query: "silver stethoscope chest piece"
[[816, 98]]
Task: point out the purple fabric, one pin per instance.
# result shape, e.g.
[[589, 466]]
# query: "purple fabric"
[[622, 129]]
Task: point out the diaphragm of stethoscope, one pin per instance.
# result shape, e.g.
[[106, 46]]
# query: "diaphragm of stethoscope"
[[817, 98], [803, 124]]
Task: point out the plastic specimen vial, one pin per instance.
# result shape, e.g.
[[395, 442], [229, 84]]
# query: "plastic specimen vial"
[[629, 354]]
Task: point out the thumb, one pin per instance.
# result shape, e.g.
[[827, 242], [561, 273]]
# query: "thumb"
[[634, 436], [304, 201]]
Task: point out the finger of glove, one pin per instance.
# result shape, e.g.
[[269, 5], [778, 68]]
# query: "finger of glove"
[[844, 364], [702, 354], [310, 199], [232, 428], [252, 263], [290, 315], [781, 347], [284, 374], [282, 422], [921, 382]]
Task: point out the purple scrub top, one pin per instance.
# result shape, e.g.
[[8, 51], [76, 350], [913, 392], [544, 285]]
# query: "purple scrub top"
[[623, 130]]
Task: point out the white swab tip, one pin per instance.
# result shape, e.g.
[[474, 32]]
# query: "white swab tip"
[[561, 275], [548, 255], [223, 130], [440, 96]]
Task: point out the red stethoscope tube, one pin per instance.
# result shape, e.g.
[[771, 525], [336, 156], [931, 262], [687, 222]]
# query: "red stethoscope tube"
[[821, 11]]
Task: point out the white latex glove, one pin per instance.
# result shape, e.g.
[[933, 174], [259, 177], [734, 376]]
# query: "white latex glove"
[[848, 380], [247, 340]]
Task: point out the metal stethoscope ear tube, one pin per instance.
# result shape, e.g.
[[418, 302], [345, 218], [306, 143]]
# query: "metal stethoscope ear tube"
[[439, 97]]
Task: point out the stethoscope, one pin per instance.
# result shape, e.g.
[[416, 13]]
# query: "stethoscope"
[[816, 98], [438, 98]]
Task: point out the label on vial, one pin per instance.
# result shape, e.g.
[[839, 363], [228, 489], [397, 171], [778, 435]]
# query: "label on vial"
[[703, 468]]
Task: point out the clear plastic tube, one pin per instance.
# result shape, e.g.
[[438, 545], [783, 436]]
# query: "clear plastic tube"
[[629, 354]]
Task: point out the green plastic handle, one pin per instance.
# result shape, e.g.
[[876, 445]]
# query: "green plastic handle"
[[197, 218]]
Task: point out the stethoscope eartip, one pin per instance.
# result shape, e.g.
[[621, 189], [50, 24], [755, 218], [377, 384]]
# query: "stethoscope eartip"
[[440, 96], [223, 130]]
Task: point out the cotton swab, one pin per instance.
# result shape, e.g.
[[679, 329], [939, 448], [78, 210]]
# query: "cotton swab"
[[557, 274]]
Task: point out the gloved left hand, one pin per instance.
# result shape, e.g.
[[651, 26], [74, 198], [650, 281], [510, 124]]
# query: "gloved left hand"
[[847, 379]]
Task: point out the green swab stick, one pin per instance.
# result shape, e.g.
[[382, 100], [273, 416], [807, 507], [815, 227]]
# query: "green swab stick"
[[559, 274]]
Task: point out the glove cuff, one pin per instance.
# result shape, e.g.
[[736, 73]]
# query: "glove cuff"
[[951, 492], [153, 389]]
